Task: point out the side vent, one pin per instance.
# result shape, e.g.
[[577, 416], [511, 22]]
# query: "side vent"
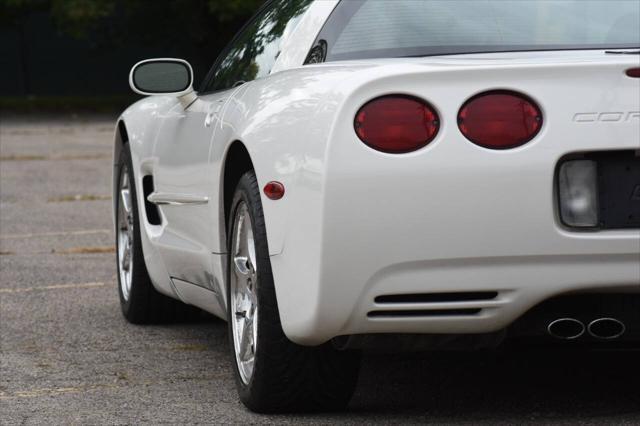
[[153, 215], [437, 297], [423, 313], [433, 304]]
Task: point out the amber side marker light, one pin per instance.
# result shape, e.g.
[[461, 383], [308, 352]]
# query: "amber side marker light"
[[633, 72], [274, 190]]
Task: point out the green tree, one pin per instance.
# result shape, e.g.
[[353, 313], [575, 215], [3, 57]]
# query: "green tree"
[[205, 24], [80, 17]]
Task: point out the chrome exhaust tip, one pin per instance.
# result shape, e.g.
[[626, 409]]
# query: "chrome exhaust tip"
[[606, 328], [566, 328]]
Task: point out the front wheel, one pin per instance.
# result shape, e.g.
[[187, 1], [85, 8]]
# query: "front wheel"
[[140, 301], [272, 373]]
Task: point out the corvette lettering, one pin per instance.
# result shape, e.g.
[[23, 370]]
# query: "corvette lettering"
[[612, 117]]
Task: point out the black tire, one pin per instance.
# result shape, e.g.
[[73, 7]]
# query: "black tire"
[[145, 304], [286, 377]]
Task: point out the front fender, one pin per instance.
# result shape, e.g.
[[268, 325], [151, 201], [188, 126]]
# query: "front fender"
[[138, 128]]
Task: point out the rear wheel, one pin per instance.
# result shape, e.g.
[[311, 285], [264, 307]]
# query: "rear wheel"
[[272, 373], [140, 301]]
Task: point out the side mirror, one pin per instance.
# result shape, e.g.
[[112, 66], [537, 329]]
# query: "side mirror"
[[165, 76]]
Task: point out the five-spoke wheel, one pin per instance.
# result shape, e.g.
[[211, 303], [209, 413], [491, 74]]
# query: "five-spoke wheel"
[[244, 302], [125, 225]]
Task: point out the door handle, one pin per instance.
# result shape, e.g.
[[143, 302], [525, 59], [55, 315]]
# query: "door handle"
[[208, 119]]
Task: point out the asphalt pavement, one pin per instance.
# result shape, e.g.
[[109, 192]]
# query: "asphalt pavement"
[[69, 357]]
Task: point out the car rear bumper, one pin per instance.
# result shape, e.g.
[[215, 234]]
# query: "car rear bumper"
[[470, 248], [452, 217], [518, 283], [442, 249], [439, 294]]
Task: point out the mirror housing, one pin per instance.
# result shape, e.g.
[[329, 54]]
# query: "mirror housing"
[[163, 76]]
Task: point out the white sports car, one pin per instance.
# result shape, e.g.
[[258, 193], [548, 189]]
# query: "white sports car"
[[399, 173]]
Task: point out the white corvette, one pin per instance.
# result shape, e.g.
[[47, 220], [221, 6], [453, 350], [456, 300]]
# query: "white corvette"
[[415, 173]]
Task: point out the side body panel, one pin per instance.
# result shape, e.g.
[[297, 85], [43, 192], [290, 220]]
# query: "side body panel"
[[184, 150], [184, 186]]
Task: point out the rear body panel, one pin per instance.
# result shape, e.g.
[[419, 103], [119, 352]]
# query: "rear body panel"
[[455, 217]]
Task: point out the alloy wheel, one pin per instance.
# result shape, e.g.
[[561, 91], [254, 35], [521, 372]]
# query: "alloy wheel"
[[243, 293], [125, 234]]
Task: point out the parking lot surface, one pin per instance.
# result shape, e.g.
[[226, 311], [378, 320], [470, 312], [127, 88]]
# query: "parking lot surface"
[[68, 356]]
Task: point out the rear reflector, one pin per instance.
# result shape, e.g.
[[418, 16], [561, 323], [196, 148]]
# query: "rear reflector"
[[633, 72], [274, 190], [500, 119], [396, 124]]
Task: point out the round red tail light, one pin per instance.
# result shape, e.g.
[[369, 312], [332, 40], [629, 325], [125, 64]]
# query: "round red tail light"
[[633, 72], [396, 124], [500, 119]]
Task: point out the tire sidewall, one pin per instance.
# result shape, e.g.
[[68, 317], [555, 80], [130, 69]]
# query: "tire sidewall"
[[138, 259], [254, 207], [286, 377]]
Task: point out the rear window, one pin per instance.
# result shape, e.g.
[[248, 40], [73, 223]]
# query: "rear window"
[[360, 29]]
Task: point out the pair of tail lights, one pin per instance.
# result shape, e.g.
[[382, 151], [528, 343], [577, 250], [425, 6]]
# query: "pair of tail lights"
[[399, 124]]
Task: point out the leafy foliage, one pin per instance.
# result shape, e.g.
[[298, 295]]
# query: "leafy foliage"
[[227, 10], [243, 60], [110, 22]]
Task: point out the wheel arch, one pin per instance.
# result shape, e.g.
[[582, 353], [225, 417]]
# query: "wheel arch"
[[237, 162], [121, 138]]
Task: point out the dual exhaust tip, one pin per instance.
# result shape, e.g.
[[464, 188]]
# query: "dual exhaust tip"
[[601, 328]]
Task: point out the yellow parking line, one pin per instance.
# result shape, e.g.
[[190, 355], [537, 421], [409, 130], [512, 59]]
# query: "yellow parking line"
[[86, 250], [53, 391], [32, 393], [52, 287], [78, 197], [36, 157], [55, 234]]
